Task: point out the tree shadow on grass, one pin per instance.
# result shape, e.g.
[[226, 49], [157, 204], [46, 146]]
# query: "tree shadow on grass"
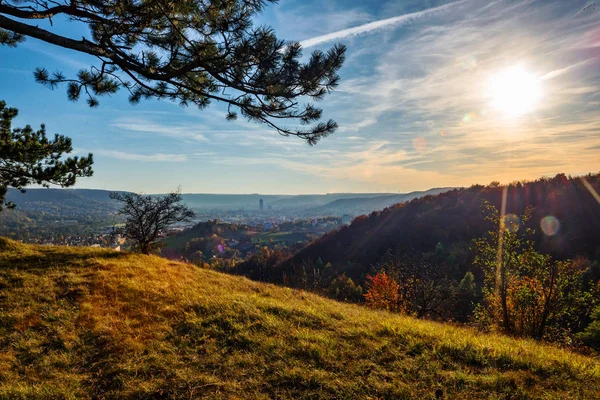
[[52, 258]]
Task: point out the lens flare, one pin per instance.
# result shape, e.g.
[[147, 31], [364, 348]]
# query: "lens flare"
[[591, 189], [512, 223], [419, 143], [220, 248], [550, 225], [469, 117]]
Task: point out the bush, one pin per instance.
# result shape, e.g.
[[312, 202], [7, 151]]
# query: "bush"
[[344, 288], [591, 335]]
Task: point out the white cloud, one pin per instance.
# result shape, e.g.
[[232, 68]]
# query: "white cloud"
[[16, 71], [186, 132], [357, 126], [156, 157], [58, 54], [375, 25]]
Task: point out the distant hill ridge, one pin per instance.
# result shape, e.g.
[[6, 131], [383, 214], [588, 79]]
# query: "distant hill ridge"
[[51, 194], [224, 201], [83, 323]]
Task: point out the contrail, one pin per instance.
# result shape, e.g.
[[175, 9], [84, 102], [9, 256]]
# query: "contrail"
[[394, 21], [562, 71]]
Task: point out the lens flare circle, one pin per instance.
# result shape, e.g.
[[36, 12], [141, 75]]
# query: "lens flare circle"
[[512, 223], [420, 143], [550, 225], [514, 91]]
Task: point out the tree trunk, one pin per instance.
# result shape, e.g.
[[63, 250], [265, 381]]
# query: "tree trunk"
[[503, 295], [145, 248]]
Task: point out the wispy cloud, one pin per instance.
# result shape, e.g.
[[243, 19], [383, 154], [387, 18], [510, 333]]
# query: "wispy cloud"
[[208, 129], [15, 71], [375, 25], [58, 55], [186, 132], [156, 157]]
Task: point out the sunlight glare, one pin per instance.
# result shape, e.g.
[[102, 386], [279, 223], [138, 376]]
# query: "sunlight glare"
[[514, 91]]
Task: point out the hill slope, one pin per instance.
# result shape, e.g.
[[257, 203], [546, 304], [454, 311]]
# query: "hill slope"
[[91, 323], [455, 218], [43, 213]]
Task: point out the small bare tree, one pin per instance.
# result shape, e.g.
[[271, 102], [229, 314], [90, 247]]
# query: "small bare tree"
[[148, 216]]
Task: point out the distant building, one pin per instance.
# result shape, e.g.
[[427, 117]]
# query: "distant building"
[[346, 219], [260, 204]]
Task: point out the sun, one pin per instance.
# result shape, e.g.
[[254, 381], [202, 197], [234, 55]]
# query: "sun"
[[514, 91]]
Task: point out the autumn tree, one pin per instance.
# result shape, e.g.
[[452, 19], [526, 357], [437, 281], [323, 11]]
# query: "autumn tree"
[[426, 284], [525, 293], [191, 52], [28, 157], [149, 216], [382, 292]]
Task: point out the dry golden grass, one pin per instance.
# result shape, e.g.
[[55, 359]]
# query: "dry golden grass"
[[90, 323]]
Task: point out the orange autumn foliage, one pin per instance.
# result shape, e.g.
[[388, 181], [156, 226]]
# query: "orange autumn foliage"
[[382, 292]]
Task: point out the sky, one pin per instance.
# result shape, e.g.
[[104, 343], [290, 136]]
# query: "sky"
[[433, 94]]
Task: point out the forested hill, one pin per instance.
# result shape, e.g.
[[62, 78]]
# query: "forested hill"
[[453, 219], [59, 197]]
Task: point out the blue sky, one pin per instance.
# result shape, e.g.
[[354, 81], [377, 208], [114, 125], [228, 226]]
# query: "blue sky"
[[414, 106]]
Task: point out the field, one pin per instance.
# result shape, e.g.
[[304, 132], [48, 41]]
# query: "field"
[[92, 323]]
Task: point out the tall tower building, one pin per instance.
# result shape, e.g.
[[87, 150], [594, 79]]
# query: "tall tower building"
[[260, 204]]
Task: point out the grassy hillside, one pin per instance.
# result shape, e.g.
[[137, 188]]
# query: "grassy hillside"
[[91, 323]]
